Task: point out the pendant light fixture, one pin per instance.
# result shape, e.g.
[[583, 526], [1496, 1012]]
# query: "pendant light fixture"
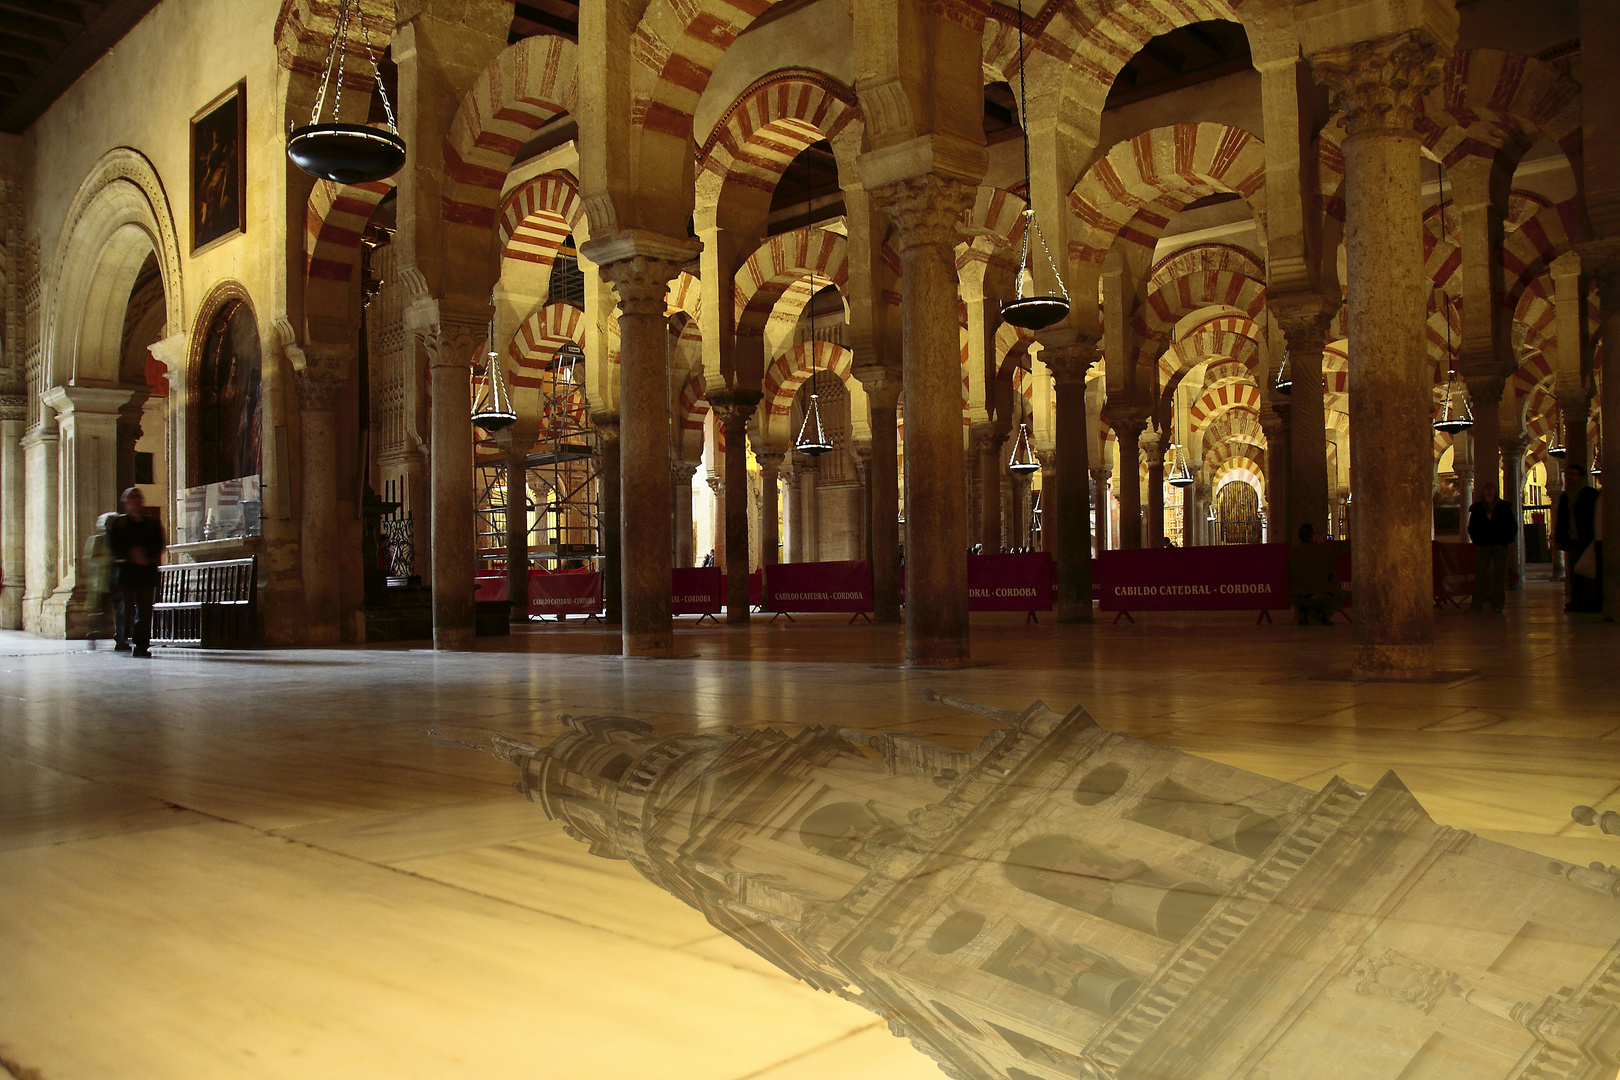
[[1285, 376], [493, 410], [1032, 310], [812, 441], [1558, 449], [1597, 457], [1180, 472], [1022, 462], [347, 153], [1456, 414]]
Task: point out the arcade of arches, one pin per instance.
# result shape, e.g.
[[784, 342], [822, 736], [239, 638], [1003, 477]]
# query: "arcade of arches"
[[1294, 234]]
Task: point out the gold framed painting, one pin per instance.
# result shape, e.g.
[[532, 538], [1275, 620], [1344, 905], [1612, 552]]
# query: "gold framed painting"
[[219, 169]]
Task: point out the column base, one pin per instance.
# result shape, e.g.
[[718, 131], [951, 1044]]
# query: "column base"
[[658, 645], [65, 615], [735, 617], [454, 639], [937, 653], [1393, 663], [1078, 613], [11, 607]]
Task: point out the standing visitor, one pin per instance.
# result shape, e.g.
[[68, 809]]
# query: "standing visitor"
[[136, 540], [1575, 533], [1491, 528]]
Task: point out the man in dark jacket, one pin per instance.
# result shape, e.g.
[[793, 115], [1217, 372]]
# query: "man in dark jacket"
[[1573, 533], [136, 540], [1492, 529]]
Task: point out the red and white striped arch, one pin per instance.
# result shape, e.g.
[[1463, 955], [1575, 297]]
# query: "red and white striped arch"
[[1222, 398], [1234, 337], [788, 372], [771, 123], [527, 85], [537, 216], [540, 336], [334, 221], [779, 263], [691, 406]]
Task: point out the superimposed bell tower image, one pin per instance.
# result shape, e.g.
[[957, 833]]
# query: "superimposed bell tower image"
[[1068, 902]]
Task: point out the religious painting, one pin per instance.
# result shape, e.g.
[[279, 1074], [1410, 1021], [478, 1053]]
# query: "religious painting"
[[229, 431], [219, 169]]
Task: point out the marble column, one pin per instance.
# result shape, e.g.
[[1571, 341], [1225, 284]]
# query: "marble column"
[[1069, 365], [1129, 434], [1603, 258], [1573, 405], [1018, 512], [1279, 437], [988, 446], [451, 344], [791, 516], [1049, 489], [717, 518], [770, 530], [1462, 463], [1153, 450], [1485, 394], [87, 429], [1189, 513], [1555, 488], [810, 525], [320, 382], [680, 474], [42, 468], [517, 525], [883, 479], [646, 544], [610, 515], [1512, 493], [925, 211], [1378, 85], [13, 578], [1101, 499], [1307, 436], [732, 410]]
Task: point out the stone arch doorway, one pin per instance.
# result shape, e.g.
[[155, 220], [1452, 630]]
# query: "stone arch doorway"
[[1237, 512], [117, 301]]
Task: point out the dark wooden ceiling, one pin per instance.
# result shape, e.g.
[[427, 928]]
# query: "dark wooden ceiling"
[[1184, 57], [47, 44], [532, 18]]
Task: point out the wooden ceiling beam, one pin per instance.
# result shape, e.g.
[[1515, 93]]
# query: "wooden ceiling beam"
[[99, 27]]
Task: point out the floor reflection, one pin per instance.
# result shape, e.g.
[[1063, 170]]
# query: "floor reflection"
[[1068, 902]]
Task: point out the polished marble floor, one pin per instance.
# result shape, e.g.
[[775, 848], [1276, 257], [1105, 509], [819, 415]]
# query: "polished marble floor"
[[256, 864]]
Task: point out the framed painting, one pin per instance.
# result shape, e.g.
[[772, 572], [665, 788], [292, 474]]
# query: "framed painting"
[[219, 169]]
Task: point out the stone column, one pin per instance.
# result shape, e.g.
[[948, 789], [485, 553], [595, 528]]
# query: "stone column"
[[810, 527], [883, 479], [1555, 488], [1573, 405], [13, 503], [320, 382], [717, 518], [1153, 450], [1485, 394], [42, 469], [1603, 258], [791, 517], [770, 529], [1189, 513], [645, 541], [1100, 500], [1068, 365], [680, 474], [87, 428], [988, 446], [732, 410], [517, 524], [1129, 434], [610, 515], [1512, 493], [1018, 533], [172, 353], [925, 210], [451, 343], [1049, 487], [1279, 438], [1307, 436], [1462, 463], [1378, 86]]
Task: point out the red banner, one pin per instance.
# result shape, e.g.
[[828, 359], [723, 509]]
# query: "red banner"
[[1010, 582], [1453, 570], [565, 594], [489, 587], [698, 591], [756, 588], [819, 586], [1224, 578]]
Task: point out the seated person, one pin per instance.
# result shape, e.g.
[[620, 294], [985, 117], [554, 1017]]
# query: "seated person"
[[1313, 583]]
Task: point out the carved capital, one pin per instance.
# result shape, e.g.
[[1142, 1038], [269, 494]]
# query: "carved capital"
[[882, 385], [1485, 390], [13, 406], [607, 425], [770, 462], [642, 283], [1378, 85], [733, 409], [321, 376], [1601, 259], [1070, 363], [926, 210], [454, 341], [682, 471]]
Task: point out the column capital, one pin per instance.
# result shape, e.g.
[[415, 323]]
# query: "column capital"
[[453, 338], [320, 373], [682, 471], [640, 266], [1379, 85], [1601, 259], [717, 484], [1070, 363], [171, 353], [925, 209], [606, 424], [734, 408], [770, 461], [882, 384], [13, 395], [1304, 322], [68, 400], [1128, 423], [1486, 390]]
